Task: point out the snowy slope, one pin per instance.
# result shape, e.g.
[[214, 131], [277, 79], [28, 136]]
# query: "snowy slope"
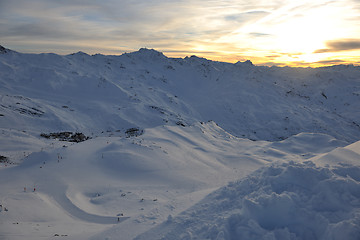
[[145, 89], [284, 201], [141, 179], [165, 133]]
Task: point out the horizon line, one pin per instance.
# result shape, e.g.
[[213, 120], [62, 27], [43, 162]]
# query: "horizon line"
[[188, 54]]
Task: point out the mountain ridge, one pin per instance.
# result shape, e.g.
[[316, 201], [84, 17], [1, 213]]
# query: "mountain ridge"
[[240, 97]]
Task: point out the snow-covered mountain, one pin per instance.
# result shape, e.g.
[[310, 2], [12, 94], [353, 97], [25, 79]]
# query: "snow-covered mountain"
[[161, 133], [145, 89]]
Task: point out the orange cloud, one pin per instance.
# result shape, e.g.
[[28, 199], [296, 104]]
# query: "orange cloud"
[[340, 45]]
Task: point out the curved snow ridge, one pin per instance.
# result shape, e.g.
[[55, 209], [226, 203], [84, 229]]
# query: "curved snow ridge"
[[281, 201], [308, 144], [65, 203]]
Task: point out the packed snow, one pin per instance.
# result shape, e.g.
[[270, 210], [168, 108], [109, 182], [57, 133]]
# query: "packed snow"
[[142, 146]]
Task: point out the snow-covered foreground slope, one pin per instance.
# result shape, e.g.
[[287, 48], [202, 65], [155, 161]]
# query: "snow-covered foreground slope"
[[165, 137], [286, 200], [142, 180]]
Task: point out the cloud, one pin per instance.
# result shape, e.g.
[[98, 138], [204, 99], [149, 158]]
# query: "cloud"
[[340, 45], [130, 23], [331, 62], [246, 16], [259, 34], [219, 30], [272, 64], [273, 56]]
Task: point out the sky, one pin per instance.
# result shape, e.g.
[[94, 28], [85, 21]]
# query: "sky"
[[267, 32]]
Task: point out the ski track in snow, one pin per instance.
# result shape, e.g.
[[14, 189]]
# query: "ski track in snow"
[[65, 203]]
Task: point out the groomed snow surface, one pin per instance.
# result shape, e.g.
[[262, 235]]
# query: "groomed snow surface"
[[177, 149]]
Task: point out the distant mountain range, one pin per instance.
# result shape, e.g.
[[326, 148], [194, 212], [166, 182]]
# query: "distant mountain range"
[[79, 92]]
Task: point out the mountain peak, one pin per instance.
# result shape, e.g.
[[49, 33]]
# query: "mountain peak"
[[246, 63], [148, 53], [195, 58], [149, 50], [79, 53]]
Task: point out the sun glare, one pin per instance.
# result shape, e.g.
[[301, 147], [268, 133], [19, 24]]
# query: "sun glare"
[[306, 32], [292, 35]]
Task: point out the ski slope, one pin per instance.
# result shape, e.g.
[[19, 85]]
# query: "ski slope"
[[178, 148]]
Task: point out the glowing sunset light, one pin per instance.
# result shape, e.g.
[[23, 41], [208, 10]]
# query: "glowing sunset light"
[[294, 33]]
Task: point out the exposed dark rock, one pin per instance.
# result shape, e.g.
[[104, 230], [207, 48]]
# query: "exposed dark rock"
[[133, 132], [2, 50], [4, 159], [66, 136]]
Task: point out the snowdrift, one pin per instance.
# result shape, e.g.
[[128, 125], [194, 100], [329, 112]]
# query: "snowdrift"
[[281, 201]]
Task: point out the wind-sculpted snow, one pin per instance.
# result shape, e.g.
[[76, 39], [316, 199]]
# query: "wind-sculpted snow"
[[283, 201]]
